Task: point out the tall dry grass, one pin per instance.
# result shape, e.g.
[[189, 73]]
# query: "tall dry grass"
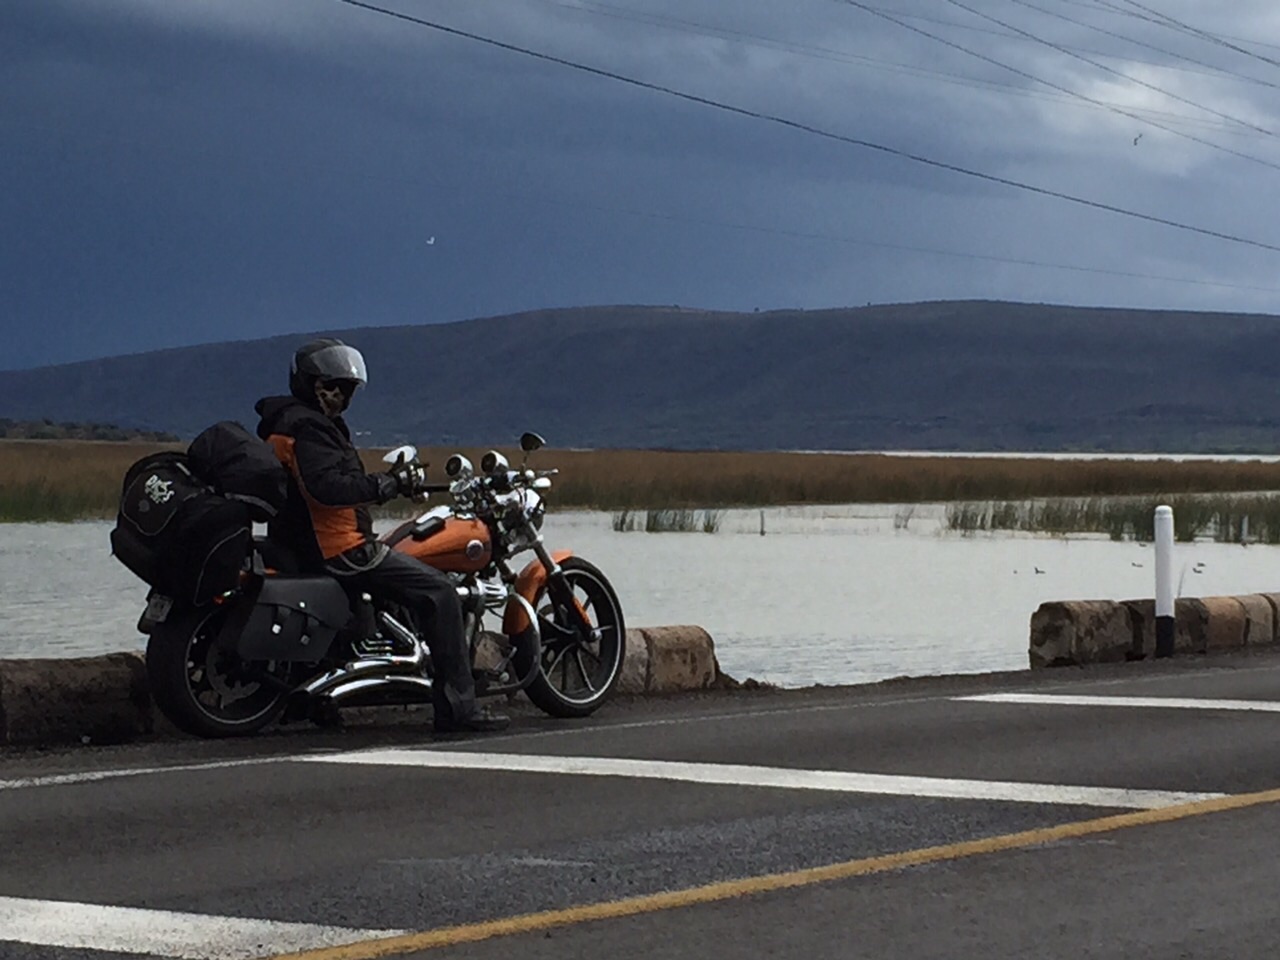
[[67, 480], [1224, 517], [655, 479]]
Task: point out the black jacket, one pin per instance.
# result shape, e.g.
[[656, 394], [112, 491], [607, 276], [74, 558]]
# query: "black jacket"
[[327, 512]]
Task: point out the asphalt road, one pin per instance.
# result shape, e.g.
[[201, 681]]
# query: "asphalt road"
[[901, 820]]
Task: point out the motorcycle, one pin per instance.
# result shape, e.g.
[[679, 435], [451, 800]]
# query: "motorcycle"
[[289, 644]]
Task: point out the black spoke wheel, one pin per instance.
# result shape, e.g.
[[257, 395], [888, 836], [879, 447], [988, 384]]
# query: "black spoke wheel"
[[583, 642], [204, 690]]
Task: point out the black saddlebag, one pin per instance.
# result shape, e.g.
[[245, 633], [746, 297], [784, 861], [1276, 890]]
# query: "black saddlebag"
[[175, 533], [294, 618], [240, 467]]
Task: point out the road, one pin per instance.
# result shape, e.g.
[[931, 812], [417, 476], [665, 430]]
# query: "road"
[[1125, 811]]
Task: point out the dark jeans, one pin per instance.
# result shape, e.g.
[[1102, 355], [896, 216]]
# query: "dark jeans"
[[426, 591]]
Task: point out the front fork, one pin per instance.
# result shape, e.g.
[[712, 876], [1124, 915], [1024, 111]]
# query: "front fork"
[[544, 573]]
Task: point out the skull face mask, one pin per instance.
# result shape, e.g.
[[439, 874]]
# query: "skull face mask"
[[334, 396]]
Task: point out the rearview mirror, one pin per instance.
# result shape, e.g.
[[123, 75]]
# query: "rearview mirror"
[[530, 442], [406, 454]]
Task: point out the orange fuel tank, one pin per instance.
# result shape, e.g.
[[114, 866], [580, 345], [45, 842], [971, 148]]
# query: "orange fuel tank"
[[460, 546]]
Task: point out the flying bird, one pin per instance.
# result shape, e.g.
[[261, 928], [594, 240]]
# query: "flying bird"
[[1136, 139], [430, 241]]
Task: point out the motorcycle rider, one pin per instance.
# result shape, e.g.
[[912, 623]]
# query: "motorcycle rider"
[[327, 519]]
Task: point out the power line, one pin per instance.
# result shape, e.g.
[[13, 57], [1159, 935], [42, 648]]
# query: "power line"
[[807, 128], [1165, 20], [1149, 46], [1106, 6], [852, 59], [419, 179], [1089, 6], [1093, 63], [880, 244], [1049, 83]]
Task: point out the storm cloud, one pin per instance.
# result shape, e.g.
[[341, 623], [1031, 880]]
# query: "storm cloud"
[[186, 171]]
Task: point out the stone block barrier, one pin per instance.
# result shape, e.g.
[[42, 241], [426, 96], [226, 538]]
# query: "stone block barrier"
[[669, 660], [105, 699], [1075, 632], [86, 699]]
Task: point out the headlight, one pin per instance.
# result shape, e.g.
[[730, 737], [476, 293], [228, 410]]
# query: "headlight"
[[494, 463]]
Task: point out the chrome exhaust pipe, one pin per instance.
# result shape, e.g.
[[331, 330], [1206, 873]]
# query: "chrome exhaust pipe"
[[420, 686], [379, 665]]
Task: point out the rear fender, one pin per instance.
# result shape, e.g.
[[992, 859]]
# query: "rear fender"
[[530, 583]]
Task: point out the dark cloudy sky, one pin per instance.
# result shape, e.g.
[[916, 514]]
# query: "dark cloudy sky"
[[182, 171]]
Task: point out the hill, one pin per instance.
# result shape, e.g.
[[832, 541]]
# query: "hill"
[[48, 430], [967, 375]]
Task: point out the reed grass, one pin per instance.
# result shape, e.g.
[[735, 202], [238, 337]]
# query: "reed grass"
[[65, 480], [667, 521], [1222, 517], [56, 480]]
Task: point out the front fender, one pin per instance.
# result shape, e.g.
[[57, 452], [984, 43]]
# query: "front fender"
[[529, 583]]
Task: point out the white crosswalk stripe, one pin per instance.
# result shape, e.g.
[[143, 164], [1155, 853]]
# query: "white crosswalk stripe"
[[1164, 703], [777, 777], [162, 933]]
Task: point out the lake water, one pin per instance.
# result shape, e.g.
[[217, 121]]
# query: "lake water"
[[828, 595]]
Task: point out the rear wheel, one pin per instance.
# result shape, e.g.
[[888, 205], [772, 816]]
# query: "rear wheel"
[[207, 691], [583, 642]]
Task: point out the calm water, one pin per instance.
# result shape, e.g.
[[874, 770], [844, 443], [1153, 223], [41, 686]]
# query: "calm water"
[[828, 595]]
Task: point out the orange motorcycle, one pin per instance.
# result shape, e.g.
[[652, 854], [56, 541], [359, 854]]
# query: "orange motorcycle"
[[286, 643]]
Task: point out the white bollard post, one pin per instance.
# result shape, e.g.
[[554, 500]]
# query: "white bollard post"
[[1164, 581]]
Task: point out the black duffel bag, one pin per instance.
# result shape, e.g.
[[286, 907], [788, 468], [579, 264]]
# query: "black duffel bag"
[[241, 467], [176, 533]]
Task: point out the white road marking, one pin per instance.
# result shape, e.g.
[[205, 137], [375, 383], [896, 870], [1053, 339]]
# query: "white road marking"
[[1168, 703], [190, 936], [94, 776], [781, 777]]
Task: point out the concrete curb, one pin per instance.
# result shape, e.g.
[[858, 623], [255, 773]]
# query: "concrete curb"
[[1076, 632], [105, 699]]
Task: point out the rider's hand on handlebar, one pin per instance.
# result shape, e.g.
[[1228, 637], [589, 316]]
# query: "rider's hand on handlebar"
[[402, 480], [410, 478]]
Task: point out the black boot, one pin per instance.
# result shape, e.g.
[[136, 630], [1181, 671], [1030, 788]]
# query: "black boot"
[[480, 720]]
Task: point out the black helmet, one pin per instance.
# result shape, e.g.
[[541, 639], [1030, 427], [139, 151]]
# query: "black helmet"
[[324, 359]]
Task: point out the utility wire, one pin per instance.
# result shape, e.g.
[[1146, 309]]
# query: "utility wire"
[[807, 128], [880, 244], [577, 203], [1149, 46], [1100, 66], [1048, 83], [852, 59], [1103, 30], [1165, 20], [1106, 6]]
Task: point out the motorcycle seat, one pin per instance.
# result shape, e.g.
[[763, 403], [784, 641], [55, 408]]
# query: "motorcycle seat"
[[277, 556]]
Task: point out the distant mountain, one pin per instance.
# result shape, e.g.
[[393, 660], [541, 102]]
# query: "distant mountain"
[[48, 430], [967, 375]]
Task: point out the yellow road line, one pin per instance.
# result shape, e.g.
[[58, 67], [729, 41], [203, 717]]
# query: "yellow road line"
[[749, 886]]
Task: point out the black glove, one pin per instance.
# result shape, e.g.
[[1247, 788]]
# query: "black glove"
[[408, 478], [388, 489]]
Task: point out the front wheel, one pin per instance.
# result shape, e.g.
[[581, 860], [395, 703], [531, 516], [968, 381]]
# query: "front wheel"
[[583, 642], [206, 691]]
